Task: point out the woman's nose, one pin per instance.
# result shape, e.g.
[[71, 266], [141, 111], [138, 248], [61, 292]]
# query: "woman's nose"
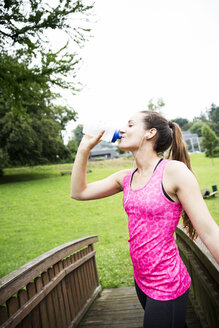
[[122, 130]]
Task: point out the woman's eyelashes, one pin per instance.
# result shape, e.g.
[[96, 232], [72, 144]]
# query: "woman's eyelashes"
[[130, 123]]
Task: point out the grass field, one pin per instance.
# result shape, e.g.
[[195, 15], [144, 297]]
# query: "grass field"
[[37, 214]]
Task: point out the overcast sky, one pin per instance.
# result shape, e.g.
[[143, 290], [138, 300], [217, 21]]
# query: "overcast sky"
[[147, 49]]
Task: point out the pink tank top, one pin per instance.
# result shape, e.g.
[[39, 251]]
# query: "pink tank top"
[[158, 269]]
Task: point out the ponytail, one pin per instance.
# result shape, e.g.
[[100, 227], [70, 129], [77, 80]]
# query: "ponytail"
[[178, 151], [169, 136]]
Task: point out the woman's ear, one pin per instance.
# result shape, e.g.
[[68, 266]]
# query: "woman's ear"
[[151, 133]]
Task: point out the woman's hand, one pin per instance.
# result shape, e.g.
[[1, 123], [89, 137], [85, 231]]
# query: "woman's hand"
[[80, 189], [89, 142]]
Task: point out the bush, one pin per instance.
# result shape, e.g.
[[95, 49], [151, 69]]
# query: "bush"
[[209, 141]]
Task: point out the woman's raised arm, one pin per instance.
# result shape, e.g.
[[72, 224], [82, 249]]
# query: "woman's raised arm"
[[80, 190]]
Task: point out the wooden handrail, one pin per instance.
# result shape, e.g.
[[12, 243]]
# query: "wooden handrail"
[[54, 289], [204, 273]]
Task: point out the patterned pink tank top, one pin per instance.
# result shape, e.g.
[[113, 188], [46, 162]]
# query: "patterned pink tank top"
[[158, 269]]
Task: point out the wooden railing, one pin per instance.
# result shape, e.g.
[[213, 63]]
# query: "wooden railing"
[[204, 272], [53, 290]]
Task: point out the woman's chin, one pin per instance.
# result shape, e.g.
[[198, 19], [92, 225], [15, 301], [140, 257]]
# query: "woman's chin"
[[121, 147]]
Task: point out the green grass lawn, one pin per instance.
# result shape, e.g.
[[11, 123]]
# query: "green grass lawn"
[[37, 214]]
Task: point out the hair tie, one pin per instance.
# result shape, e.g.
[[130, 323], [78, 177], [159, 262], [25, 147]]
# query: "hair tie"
[[171, 124]]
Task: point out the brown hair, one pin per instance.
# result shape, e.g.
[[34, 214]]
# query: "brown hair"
[[169, 137]]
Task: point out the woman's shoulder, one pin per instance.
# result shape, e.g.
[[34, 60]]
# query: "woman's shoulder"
[[176, 176], [123, 173], [173, 165], [177, 170], [120, 175]]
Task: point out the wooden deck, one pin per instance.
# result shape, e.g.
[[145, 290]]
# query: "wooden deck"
[[120, 308]]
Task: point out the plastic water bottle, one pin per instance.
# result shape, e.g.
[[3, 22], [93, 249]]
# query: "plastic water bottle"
[[111, 134]]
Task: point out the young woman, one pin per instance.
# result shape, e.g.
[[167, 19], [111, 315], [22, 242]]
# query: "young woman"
[[155, 194]]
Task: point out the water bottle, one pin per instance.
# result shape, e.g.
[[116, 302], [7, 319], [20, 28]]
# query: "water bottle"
[[111, 134]]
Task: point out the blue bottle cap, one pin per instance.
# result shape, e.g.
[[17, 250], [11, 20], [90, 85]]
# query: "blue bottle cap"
[[116, 136]]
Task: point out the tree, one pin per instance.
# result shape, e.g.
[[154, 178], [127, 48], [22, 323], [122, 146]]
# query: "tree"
[[78, 134], [31, 139], [63, 115], [24, 22], [182, 122], [210, 117], [4, 160], [156, 105], [30, 69], [214, 114], [203, 117], [197, 128], [72, 147], [215, 127], [209, 141], [17, 79], [23, 38]]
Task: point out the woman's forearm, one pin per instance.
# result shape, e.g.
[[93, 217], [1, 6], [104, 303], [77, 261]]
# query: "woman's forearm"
[[212, 243], [79, 172]]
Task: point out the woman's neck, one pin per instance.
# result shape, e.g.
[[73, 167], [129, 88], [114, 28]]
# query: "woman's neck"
[[146, 160]]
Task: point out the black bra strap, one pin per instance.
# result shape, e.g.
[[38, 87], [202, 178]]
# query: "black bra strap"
[[158, 164], [167, 196]]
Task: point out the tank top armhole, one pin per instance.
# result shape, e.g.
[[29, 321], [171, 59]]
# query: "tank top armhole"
[[166, 195]]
